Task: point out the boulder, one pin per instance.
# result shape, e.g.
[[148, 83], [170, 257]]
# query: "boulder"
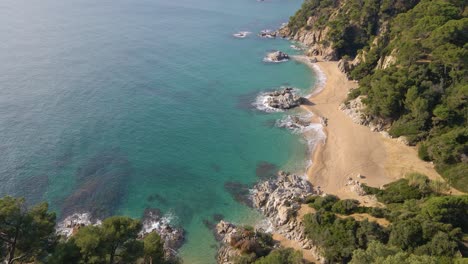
[[277, 56], [283, 99], [268, 34]]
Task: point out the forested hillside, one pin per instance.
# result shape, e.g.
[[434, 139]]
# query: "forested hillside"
[[417, 225], [410, 58]]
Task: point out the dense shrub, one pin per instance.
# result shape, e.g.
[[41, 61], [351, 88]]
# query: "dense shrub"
[[323, 202], [281, 256], [347, 206]]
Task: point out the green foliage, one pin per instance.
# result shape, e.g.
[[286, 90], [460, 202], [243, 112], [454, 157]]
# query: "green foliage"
[[448, 209], [153, 248], [326, 202], [114, 238], [65, 252], [337, 237], [346, 207], [406, 234], [424, 95], [414, 186], [252, 244], [375, 251], [282, 256], [25, 233], [426, 226], [378, 253], [396, 192], [321, 9]]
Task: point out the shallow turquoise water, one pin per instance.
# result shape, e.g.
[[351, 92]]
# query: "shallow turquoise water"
[[114, 106]]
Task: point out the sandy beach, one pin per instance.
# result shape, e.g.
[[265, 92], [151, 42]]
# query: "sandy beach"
[[351, 149]]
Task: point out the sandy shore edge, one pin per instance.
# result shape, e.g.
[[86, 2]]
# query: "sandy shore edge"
[[351, 149]]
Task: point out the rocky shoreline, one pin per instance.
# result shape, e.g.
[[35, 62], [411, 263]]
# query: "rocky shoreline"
[[279, 200], [355, 110], [152, 221]]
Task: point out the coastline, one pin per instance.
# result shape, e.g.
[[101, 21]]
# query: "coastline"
[[350, 149]]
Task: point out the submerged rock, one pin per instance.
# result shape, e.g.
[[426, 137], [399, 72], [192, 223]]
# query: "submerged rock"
[[239, 191], [283, 99]]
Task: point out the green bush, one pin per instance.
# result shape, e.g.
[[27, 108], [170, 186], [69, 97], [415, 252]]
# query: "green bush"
[[324, 202], [346, 207], [282, 256], [398, 192]]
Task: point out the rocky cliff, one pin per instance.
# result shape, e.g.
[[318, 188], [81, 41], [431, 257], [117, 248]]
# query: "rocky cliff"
[[352, 29]]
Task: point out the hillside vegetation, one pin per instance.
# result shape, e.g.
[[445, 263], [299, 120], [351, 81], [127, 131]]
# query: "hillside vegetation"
[[410, 57], [28, 235], [425, 226]]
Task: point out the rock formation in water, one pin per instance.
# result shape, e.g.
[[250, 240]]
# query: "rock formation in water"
[[154, 221], [277, 56], [283, 99], [268, 34]]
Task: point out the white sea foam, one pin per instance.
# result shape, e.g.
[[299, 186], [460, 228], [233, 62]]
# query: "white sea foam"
[[294, 47], [261, 102], [266, 33], [312, 133], [70, 223], [321, 79], [267, 59], [157, 222], [298, 124], [241, 34]]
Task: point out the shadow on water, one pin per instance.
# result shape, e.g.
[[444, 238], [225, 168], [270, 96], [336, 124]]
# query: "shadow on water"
[[239, 191], [100, 185], [211, 223], [215, 167], [157, 198], [266, 170]]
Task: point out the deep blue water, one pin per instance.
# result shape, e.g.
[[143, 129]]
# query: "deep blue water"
[[113, 106]]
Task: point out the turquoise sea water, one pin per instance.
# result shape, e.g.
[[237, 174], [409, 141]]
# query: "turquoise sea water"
[[113, 106]]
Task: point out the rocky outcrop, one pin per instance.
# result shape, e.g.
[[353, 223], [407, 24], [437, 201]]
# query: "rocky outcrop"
[[268, 34], [355, 110], [355, 186], [224, 232], [314, 40], [386, 61], [344, 66], [283, 99], [294, 123], [71, 224], [279, 200], [239, 240], [154, 221], [277, 56]]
